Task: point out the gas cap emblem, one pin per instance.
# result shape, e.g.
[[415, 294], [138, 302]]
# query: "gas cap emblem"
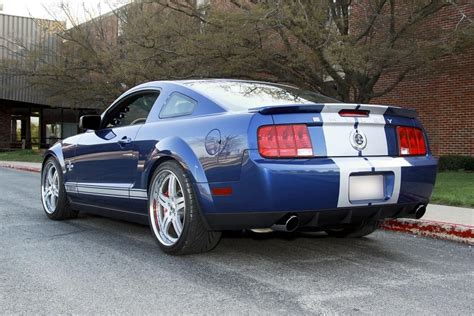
[[358, 140], [213, 142]]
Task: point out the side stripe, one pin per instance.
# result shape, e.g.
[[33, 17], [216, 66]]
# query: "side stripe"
[[138, 194], [109, 190]]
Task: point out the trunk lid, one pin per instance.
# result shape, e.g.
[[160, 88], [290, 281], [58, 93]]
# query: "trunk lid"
[[333, 135]]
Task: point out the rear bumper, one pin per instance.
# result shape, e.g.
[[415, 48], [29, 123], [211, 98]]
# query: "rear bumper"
[[269, 189], [318, 220]]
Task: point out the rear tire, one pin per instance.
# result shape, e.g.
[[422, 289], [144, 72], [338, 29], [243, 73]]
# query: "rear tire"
[[355, 231], [53, 193], [174, 214]]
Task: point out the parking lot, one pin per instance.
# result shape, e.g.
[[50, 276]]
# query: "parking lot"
[[99, 265]]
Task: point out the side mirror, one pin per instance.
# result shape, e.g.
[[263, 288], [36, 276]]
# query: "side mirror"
[[90, 122]]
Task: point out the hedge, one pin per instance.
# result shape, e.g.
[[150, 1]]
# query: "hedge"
[[454, 163]]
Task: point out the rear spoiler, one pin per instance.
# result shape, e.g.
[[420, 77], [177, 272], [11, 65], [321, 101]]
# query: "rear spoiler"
[[318, 108]]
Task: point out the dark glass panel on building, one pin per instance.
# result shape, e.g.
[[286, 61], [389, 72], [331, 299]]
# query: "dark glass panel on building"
[[70, 120], [52, 125]]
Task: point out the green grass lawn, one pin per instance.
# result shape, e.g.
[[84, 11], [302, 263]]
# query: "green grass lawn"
[[21, 155], [454, 188]]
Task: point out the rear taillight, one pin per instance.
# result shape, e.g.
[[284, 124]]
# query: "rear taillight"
[[284, 141], [411, 141]]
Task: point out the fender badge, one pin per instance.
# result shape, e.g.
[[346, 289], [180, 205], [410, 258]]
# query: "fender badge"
[[69, 165]]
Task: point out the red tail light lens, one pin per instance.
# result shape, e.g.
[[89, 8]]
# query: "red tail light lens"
[[284, 141], [267, 141], [411, 141]]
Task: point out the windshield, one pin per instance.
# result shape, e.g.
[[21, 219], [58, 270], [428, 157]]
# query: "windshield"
[[241, 95]]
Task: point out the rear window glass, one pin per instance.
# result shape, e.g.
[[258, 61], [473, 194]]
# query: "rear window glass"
[[241, 95]]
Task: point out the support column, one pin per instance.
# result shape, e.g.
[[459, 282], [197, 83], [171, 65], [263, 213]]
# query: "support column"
[[28, 129]]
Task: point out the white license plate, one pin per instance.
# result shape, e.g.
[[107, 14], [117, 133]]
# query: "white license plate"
[[364, 188]]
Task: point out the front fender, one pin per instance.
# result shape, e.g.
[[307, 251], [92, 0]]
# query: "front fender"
[[62, 151], [57, 152]]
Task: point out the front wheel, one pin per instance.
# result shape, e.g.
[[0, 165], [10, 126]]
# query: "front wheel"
[[174, 214], [53, 194]]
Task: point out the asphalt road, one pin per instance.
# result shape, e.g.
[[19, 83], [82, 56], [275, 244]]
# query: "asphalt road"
[[99, 265]]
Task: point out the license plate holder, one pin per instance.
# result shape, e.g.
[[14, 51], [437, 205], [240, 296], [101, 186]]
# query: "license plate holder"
[[363, 188]]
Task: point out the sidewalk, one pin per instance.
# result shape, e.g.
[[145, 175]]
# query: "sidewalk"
[[24, 166], [439, 221], [449, 214]]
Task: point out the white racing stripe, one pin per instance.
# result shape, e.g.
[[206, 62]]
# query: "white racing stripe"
[[391, 164], [346, 167], [337, 134], [337, 130], [350, 165]]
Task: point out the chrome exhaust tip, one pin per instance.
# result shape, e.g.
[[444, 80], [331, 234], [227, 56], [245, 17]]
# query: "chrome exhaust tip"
[[290, 225], [261, 230], [420, 211]]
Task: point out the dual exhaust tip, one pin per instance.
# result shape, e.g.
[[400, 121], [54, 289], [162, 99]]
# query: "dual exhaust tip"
[[420, 211], [291, 224]]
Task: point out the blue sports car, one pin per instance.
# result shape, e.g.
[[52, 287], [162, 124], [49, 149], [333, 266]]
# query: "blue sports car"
[[193, 158]]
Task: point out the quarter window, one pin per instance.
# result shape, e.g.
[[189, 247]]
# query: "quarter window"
[[178, 105]]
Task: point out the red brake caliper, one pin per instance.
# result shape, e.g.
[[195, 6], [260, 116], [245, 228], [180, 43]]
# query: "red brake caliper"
[[167, 195], [156, 213]]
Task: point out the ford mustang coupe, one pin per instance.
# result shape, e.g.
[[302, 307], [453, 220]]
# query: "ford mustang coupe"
[[193, 158]]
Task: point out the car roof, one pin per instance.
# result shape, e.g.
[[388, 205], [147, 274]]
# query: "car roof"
[[216, 97], [185, 82]]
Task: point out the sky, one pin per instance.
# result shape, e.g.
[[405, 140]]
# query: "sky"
[[50, 9]]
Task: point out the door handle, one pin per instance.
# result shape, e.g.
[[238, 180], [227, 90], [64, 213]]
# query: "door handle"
[[125, 141]]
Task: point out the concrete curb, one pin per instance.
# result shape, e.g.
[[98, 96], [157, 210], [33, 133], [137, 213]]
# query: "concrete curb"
[[433, 229], [20, 167]]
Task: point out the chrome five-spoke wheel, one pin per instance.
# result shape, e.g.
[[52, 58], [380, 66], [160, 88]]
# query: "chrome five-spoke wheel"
[[53, 195], [174, 213], [167, 207], [50, 188]]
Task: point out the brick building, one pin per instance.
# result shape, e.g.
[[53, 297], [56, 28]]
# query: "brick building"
[[444, 94]]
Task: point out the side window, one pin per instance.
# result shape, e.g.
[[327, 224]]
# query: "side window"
[[178, 105], [132, 111]]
